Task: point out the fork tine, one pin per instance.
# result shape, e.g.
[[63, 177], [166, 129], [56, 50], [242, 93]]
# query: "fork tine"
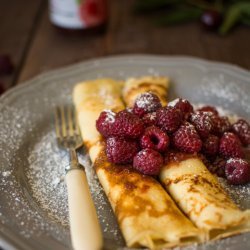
[[70, 120], [57, 124], [63, 121], [67, 130]]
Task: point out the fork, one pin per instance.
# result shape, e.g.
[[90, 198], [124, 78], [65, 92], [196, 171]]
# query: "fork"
[[84, 225]]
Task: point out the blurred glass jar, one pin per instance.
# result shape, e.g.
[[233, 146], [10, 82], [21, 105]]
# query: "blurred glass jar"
[[78, 15]]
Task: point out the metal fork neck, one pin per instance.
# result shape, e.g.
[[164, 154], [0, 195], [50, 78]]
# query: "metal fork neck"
[[74, 164]]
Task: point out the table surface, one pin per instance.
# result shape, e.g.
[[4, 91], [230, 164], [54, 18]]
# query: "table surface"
[[35, 46]]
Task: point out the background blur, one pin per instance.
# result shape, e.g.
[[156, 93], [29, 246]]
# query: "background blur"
[[34, 45]]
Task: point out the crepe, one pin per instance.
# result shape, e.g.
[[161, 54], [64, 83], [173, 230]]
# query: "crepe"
[[146, 214], [197, 192]]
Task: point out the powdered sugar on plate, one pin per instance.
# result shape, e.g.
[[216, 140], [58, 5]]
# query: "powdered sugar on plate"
[[45, 177], [228, 92]]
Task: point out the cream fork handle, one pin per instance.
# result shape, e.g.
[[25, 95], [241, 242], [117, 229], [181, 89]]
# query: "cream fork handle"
[[84, 225]]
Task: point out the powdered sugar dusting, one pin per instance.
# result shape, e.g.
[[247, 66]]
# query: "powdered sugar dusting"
[[173, 103], [16, 207], [239, 193], [110, 116], [233, 160], [6, 173], [147, 101], [45, 177], [228, 92]]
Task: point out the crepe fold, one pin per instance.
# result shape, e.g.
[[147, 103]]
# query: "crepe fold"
[[196, 191], [146, 214]]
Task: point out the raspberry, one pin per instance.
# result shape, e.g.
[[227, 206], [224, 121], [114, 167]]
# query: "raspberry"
[[209, 109], [237, 171], [154, 138], [148, 161], [202, 123], [146, 103], [221, 124], [230, 146], [242, 129], [127, 125], [105, 122], [168, 118], [186, 139], [210, 145], [120, 150], [183, 105], [149, 119]]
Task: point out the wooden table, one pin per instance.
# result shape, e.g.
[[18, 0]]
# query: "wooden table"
[[36, 46]]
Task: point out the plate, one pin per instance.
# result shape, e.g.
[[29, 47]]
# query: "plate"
[[33, 207]]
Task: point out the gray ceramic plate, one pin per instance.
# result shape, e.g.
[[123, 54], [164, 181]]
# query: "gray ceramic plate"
[[33, 205]]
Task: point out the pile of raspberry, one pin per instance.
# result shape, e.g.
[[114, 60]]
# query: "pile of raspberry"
[[145, 134]]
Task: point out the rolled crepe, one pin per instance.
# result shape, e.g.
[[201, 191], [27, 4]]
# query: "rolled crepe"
[[197, 192], [146, 214], [201, 197]]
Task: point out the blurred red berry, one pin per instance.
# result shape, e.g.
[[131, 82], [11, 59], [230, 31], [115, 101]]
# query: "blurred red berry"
[[6, 65], [2, 88], [93, 12], [211, 19]]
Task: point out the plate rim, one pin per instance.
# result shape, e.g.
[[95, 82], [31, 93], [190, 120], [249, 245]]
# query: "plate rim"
[[232, 68]]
